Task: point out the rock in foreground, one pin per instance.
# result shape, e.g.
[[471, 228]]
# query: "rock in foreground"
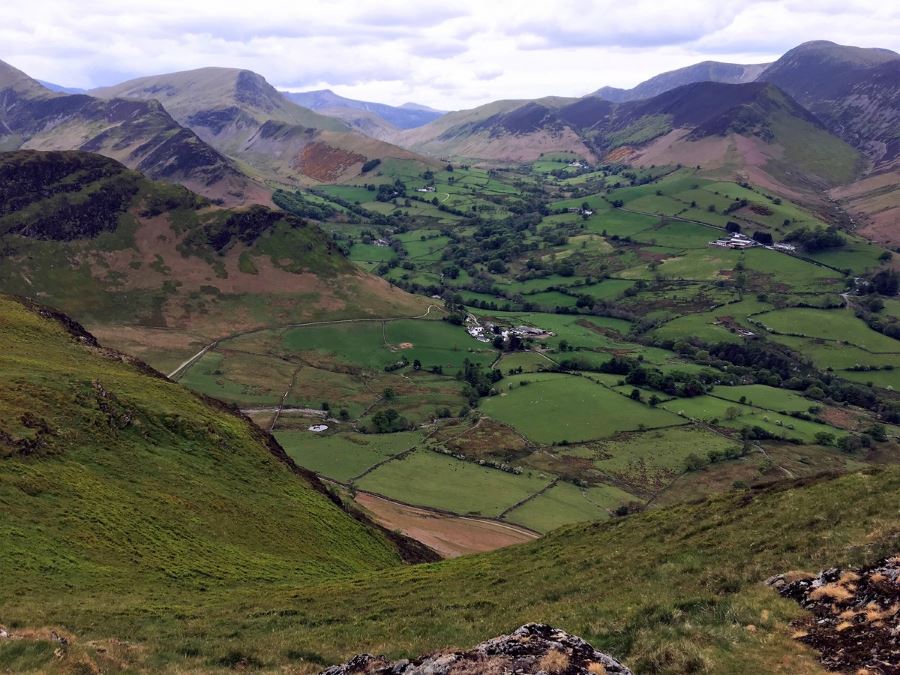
[[533, 649], [855, 616]]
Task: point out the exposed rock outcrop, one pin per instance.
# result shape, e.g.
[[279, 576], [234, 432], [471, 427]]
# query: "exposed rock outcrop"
[[855, 615], [533, 649]]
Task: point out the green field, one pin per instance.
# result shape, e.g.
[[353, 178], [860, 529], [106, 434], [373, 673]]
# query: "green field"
[[664, 449], [565, 503], [837, 325], [553, 408], [344, 455], [763, 396], [431, 479]]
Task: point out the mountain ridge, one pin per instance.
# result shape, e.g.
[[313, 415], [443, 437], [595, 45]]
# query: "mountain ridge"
[[705, 71], [140, 134], [244, 117]]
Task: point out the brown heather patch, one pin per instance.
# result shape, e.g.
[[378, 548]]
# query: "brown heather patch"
[[325, 162], [834, 591], [554, 662]]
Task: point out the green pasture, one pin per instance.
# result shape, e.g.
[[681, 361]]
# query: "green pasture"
[[554, 407], [428, 478], [344, 455], [565, 503]]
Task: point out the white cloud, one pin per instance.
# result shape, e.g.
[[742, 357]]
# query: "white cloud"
[[449, 56]]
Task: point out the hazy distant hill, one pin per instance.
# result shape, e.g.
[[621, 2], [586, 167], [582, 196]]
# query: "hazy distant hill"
[[243, 116], [61, 89], [707, 71], [376, 119]]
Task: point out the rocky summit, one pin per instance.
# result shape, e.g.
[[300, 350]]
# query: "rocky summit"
[[534, 648]]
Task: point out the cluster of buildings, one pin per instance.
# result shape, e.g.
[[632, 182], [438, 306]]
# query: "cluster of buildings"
[[736, 240], [427, 188], [486, 332], [742, 241]]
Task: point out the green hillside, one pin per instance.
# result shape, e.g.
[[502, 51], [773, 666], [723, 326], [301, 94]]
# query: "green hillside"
[[159, 532], [113, 249], [115, 482]]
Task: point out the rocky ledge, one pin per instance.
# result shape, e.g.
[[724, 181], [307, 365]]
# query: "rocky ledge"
[[533, 649], [855, 615]]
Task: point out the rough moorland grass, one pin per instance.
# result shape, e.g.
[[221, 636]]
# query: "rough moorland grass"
[[133, 479], [667, 591]]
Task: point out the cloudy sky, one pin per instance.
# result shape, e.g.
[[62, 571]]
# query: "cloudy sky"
[[455, 54]]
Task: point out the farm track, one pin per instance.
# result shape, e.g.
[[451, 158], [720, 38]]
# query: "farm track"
[[284, 398]]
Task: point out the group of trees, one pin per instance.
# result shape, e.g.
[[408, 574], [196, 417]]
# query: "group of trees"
[[818, 239], [479, 382]]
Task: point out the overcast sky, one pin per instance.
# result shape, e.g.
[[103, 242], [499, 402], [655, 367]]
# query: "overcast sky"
[[450, 55]]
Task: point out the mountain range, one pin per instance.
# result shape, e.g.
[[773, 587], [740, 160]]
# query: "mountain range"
[[243, 116], [141, 134], [374, 119], [826, 119]]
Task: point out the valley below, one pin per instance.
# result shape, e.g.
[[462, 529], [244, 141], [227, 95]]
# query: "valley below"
[[277, 392]]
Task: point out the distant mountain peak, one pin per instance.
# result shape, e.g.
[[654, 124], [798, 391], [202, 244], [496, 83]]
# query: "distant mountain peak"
[[705, 71], [391, 118]]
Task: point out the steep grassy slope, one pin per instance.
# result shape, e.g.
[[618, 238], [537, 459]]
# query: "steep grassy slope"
[[754, 131], [141, 135], [243, 116], [158, 270], [114, 479]]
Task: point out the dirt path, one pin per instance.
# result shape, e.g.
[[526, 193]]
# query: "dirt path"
[[187, 363], [185, 366], [449, 535]]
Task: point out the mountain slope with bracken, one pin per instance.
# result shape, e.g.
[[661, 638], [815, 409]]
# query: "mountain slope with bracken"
[[244, 117], [752, 131], [140, 134], [854, 91], [158, 270]]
